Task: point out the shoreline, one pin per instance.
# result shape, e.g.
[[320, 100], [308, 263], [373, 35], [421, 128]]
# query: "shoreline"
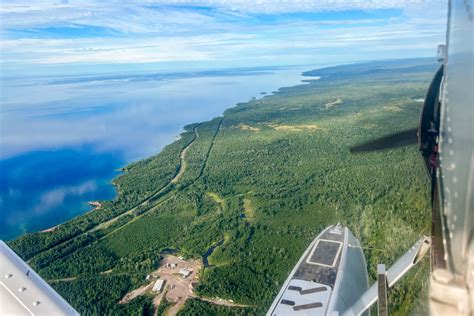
[[49, 230], [96, 204]]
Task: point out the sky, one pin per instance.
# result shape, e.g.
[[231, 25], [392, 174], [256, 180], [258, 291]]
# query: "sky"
[[95, 36]]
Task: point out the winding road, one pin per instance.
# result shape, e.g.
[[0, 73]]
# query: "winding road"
[[183, 164], [182, 168]]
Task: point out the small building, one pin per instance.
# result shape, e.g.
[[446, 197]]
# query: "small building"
[[173, 265], [148, 277], [185, 273], [158, 287]]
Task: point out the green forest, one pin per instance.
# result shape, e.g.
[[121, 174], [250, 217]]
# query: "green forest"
[[265, 178]]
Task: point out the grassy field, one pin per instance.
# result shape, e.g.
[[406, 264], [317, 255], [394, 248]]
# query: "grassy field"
[[266, 178]]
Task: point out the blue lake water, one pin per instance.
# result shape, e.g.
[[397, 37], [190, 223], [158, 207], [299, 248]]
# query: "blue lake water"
[[63, 139]]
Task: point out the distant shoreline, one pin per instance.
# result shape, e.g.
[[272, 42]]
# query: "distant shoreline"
[[295, 79]]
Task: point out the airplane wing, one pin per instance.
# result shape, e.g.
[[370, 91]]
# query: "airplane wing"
[[24, 292]]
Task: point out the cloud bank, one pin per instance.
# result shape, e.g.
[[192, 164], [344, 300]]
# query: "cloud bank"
[[219, 33]]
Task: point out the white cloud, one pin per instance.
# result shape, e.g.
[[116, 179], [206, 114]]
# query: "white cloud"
[[285, 6], [258, 6], [148, 16], [56, 197], [171, 31]]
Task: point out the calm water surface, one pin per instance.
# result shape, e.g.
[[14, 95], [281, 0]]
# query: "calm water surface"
[[62, 139]]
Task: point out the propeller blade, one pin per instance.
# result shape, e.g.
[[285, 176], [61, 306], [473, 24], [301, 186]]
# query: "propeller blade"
[[404, 138]]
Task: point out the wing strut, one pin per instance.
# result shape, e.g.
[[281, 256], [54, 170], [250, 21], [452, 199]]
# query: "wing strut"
[[394, 273]]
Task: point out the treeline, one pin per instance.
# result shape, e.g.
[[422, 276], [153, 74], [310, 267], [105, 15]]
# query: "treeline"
[[100, 296], [197, 307]]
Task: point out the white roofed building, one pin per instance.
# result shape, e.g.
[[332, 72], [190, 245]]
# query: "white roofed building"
[[185, 273], [158, 287]]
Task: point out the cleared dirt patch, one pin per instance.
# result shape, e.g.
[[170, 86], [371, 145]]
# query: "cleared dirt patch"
[[249, 210], [333, 103], [290, 109], [216, 198], [369, 126], [248, 128], [176, 288], [295, 128], [135, 293], [392, 108], [48, 230]]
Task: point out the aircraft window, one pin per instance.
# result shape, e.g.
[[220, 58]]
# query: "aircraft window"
[[313, 290], [307, 306], [308, 291], [325, 253]]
